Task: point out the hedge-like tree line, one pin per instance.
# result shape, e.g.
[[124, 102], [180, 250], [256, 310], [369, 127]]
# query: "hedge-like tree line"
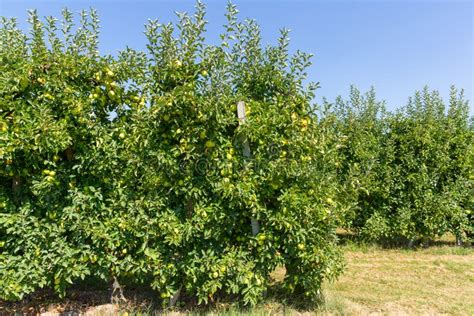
[[131, 168], [135, 168], [406, 175]]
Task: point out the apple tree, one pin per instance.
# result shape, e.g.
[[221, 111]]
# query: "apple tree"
[[131, 167]]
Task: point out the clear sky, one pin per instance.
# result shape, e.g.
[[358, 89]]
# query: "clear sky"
[[396, 46]]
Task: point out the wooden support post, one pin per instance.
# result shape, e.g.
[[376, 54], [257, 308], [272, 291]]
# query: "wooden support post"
[[16, 183], [16, 186], [246, 153]]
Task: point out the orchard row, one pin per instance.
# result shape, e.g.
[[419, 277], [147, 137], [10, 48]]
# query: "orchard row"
[[131, 167]]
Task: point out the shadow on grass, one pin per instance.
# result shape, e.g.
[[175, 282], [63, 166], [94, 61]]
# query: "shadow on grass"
[[87, 295], [80, 298]]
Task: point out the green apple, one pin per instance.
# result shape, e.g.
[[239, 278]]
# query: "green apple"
[[210, 144], [23, 83]]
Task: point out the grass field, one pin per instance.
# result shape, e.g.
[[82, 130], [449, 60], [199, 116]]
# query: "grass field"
[[437, 280], [430, 281]]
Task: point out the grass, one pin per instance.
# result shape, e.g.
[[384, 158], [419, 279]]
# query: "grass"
[[377, 281], [436, 280]]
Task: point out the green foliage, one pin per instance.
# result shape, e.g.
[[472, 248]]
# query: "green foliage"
[[407, 174], [132, 166]]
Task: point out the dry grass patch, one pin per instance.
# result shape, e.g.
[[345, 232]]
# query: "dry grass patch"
[[436, 280]]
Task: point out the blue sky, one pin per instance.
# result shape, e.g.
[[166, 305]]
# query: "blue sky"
[[396, 46]]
